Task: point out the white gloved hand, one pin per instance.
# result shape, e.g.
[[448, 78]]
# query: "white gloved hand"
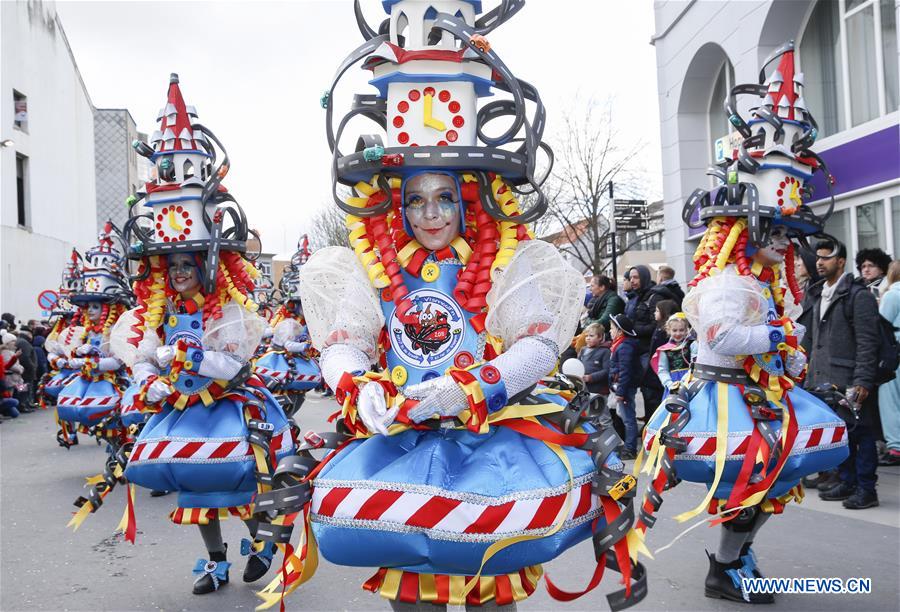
[[373, 410], [440, 396], [75, 364], [165, 355], [158, 391], [85, 349], [795, 363]]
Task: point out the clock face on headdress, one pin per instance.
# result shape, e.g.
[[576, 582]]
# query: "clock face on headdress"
[[172, 223], [92, 285], [788, 193], [430, 115]]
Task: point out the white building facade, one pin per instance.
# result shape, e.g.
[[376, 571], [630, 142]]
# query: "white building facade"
[[47, 179], [847, 51]]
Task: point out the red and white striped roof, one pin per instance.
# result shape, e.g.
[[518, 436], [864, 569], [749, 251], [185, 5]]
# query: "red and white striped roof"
[[175, 132]]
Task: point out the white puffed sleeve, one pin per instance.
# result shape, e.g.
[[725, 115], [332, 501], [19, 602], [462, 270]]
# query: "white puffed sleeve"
[[237, 332], [538, 294], [72, 340], [729, 311], [286, 330], [121, 348], [339, 302]]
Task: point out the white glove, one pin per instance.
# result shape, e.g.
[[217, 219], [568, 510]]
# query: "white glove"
[[795, 363], [296, 348], [143, 370], [85, 349], [165, 355], [75, 364], [440, 396], [158, 391], [373, 410]]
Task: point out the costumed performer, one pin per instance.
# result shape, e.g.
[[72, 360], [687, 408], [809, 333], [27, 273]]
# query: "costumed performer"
[[450, 470], [739, 422]]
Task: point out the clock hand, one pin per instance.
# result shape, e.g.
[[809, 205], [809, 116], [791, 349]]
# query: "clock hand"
[[172, 223], [429, 120]]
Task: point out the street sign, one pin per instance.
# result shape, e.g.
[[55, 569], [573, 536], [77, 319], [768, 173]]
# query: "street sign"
[[47, 299], [632, 223], [726, 145], [624, 211]]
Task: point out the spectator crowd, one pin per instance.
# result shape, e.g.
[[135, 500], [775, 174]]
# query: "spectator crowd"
[[23, 362], [637, 340]]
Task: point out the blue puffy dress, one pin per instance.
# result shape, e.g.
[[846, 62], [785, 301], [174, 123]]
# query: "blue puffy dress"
[[91, 396], [813, 440], [294, 372], [434, 501], [197, 444]]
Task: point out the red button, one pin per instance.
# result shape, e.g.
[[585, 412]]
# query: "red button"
[[490, 374], [463, 360]]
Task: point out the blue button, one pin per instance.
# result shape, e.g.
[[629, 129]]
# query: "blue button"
[[188, 383], [776, 336], [429, 375], [497, 401], [197, 356], [778, 363], [195, 324]]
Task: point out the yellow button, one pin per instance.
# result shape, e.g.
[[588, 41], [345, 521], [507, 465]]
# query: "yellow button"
[[430, 272], [173, 377], [188, 365], [173, 321], [398, 375], [766, 293], [782, 347]]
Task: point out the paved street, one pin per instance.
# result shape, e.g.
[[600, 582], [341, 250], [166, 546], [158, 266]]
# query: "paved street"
[[47, 567]]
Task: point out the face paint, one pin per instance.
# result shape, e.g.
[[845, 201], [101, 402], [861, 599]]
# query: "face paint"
[[184, 275], [94, 310], [776, 247], [432, 209]]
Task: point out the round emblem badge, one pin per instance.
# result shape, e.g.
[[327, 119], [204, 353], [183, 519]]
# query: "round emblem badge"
[[431, 332]]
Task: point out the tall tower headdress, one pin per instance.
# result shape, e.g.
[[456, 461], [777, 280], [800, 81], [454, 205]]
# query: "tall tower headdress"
[[185, 208], [767, 178], [432, 66], [104, 272]]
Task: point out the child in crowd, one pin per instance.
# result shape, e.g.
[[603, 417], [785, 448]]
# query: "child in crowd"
[[624, 376], [595, 357], [673, 359]]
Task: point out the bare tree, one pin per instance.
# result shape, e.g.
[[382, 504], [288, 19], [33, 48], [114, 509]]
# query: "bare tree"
[[329, 228], [590, 153]]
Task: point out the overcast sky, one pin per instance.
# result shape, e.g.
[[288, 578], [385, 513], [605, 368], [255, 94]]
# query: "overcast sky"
[[255, 72]]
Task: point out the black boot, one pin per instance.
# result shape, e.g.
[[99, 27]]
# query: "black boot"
[[258, 563], [724, 582], [211, 574]]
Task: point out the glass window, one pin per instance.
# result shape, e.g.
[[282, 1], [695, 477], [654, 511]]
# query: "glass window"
[[839, 227], [852, 4], [20, 107], [895, 224], [820, 60], [889, 53], [21, 190], [870, 226], [862, 66]]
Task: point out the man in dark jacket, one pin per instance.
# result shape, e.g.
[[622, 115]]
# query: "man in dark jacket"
[[841, 320], [665, 277], [641, 309], [604, 302]]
